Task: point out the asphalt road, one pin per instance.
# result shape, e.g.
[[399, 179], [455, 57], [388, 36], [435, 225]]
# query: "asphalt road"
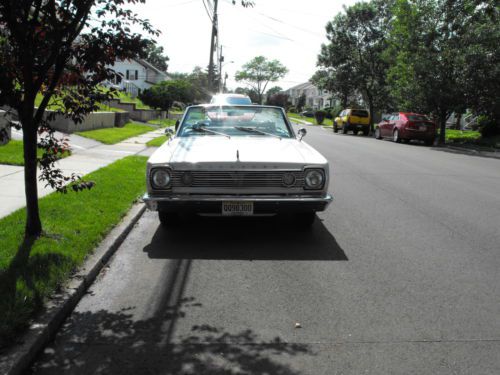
[[399, 276]]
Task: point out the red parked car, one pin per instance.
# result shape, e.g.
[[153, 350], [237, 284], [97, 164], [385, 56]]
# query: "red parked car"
[[404, 126]]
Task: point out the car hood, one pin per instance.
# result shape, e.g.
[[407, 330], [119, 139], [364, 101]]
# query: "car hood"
[[246, 150]]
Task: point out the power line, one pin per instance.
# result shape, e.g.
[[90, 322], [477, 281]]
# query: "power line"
[[208, 12], [289, 24], [182, 3]]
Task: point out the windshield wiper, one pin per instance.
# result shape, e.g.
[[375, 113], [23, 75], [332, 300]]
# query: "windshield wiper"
[[202, 128], [257, 131]]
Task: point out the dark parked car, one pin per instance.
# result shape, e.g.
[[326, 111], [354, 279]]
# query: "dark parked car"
[[405, 126], [307, 113]]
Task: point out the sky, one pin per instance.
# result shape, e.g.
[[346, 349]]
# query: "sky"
[[290, 31]]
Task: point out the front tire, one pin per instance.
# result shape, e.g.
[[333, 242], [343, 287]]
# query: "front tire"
[[335, 127], [377, 134]]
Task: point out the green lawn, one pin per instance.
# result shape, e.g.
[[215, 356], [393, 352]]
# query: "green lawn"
[[107, 108], [163, 122], [74, 224], [126, 98], [12, 153], [111, 136], [462, 135], [53, 106]]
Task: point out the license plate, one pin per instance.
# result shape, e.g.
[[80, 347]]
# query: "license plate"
[[237, 208], [422, 128]]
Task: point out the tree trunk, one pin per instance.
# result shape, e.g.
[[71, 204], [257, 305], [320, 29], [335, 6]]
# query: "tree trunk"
[[442, 127], [458, 121], [33, 222]]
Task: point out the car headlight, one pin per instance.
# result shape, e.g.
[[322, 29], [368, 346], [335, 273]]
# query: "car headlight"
[[314, 178], [160, 178]]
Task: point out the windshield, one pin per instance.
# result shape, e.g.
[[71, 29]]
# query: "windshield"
[[247, 121], [417, 118], [359, 113]]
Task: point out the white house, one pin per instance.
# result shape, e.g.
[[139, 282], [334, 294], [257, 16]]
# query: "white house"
[[315, 97], [135, 75]]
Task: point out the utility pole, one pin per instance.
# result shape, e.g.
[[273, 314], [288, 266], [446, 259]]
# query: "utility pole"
[[221, 59], [211, 81]]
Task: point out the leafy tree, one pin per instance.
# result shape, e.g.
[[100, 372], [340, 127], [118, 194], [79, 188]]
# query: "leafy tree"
[[156, 56], [164, 94], [274, 90], [478, 23], [61, 50], [258, 72], [279, 99], [353, 59], [446, 57]]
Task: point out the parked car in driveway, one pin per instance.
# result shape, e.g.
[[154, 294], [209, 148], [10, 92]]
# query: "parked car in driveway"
[[405, 126], [354, 120], [237, 161]]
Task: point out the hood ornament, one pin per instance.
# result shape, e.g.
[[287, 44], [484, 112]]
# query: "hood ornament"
[[237, 155]]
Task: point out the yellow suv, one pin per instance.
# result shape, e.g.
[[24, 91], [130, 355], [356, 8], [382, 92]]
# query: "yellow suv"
[[353, 120]]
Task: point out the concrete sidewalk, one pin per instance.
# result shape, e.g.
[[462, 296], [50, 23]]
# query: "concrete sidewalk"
[[87, 156]]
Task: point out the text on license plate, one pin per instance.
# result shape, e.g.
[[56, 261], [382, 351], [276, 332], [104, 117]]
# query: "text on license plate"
[[237, 208]]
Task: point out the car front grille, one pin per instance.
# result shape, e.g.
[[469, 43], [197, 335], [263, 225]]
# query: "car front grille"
[[236, 179]]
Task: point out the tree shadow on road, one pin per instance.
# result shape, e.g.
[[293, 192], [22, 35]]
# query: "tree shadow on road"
[[244, 239], [104, 342]]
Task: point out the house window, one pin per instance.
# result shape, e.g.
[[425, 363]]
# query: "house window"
[[132, 75]]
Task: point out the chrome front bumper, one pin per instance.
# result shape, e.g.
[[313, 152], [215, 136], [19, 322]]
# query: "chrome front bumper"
[[262, 203]]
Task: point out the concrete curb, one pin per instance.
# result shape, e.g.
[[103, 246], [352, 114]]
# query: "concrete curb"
[[18, 358], [468, 151]]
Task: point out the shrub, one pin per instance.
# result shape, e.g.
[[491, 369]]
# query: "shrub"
[[328, 111], [320, 116], [292, 109], [488, 127]]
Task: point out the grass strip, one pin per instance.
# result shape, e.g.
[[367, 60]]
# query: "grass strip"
[[111, 136], [13, 154], [157, 142], [74, 224], [163, 122]]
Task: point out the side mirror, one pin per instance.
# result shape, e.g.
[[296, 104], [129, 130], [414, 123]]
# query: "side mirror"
[[302, 133], [169, 132], [177, 125]]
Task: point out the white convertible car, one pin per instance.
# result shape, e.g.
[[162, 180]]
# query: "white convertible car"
[[237, 161]]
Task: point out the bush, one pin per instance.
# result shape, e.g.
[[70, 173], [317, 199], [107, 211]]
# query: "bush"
[[328, 111], [292, 109], [488, 127], [320, 116]]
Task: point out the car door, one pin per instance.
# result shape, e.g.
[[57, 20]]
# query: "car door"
[[392, 124], [385, 126], [340, 121]]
